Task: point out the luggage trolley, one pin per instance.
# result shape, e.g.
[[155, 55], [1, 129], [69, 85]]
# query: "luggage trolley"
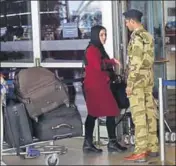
[[33, 150]]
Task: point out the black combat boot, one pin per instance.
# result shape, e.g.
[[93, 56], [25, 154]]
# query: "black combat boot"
[[114, 146], [88, 147]]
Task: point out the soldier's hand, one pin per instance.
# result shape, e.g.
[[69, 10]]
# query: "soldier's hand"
[[128, 91], [117, 62]]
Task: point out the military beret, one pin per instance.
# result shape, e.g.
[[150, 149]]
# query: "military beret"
[[133, 14]]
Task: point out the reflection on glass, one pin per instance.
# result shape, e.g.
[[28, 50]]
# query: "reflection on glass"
[[56, 15], [157, 20], [63, 21], [52, 56], [16, 31], [152, 19], [170, 32], [141, 6]]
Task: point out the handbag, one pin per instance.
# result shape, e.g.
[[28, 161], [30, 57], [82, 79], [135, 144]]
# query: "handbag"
[[118, 88]]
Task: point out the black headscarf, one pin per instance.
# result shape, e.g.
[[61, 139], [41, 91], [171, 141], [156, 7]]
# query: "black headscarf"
[[95, 40], [94, 37]]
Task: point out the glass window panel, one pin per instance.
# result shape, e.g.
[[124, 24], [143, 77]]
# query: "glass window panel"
[[25, 7], [171, 11], [2, 7], [157, 21], [65, 22], [11, 7], [143, 7], [43, 6], [153, 21], [24, 20], [13, 20], [16, 32], [3, 22]]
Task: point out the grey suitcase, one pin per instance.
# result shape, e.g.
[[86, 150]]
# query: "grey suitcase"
[[40, 91]]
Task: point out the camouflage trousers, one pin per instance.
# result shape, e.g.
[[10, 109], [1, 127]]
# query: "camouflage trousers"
[[144, 116]]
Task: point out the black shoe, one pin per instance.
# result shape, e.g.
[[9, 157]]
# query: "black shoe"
[[88, 147], [114, 146], [153, 154]]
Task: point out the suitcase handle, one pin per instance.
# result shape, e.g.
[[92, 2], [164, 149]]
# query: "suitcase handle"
[[62, 125]]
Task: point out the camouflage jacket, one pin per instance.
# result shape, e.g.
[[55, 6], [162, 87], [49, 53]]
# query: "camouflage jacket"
[[141, 55]]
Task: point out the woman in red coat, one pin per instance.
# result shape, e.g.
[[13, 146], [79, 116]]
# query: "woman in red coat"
[[99, 99]]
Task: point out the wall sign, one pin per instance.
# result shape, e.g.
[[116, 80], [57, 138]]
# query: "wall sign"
[[70, 30]]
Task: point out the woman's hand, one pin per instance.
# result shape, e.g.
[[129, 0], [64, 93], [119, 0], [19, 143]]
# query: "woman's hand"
[[117, 62], [128, 91]]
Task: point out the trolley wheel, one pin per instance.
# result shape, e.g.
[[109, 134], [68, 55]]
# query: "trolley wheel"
[[132, 140], [52, 159], [173, 137]]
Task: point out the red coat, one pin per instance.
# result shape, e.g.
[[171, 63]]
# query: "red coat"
[[99, 99]]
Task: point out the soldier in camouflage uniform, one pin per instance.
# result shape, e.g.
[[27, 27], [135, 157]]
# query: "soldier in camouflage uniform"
[[139, 89]]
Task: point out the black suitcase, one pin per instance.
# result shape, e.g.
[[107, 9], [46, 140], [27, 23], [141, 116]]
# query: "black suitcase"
[[60, 123], [17, 125]]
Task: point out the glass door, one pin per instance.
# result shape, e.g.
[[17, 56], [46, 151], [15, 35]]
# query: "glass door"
[[121, 33], [153, 21], [157, 28]]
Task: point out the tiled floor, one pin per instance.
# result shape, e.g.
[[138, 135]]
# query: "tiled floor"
[[74, 156]]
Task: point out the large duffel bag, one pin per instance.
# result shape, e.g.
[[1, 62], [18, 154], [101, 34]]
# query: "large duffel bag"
[[17, 125], [63, 122], [40, 90]]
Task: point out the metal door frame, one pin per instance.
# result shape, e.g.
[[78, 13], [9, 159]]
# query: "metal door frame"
[[120, 33]]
